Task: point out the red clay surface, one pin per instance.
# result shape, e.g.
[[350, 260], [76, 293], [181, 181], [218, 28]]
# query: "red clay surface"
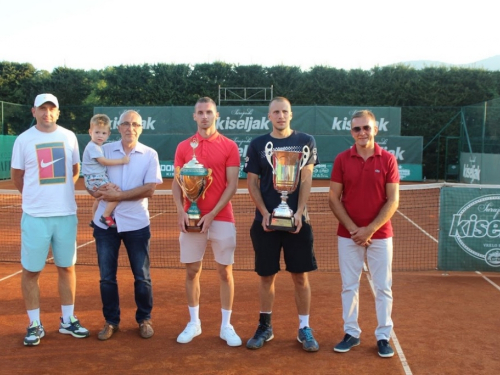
[[445, 324]]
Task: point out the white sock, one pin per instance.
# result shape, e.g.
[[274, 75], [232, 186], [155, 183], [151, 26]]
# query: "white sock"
[[34, 315], [67, 311], [303, 321], [226, 318], [194, 313]]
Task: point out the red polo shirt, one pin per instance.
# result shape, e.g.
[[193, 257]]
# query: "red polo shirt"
[[364, 184], [217, 153]]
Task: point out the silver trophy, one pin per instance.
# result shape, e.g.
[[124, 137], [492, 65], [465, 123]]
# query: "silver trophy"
[[194, 180], [286, 167]]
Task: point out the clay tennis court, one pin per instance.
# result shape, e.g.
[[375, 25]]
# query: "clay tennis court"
[[445, 323]]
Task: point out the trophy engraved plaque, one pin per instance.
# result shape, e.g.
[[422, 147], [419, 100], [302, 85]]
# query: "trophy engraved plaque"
[[194, 180], [286, 167]]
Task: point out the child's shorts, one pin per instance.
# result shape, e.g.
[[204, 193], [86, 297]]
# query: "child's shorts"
[[94, 181]]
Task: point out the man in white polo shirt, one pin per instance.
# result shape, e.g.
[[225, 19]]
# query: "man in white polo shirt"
[[45, 166], [137, 181]]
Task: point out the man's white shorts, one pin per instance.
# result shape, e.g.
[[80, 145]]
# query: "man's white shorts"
[[222, 236]]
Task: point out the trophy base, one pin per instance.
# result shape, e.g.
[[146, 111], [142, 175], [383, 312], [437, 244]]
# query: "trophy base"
[[282, 223], [193, 227]]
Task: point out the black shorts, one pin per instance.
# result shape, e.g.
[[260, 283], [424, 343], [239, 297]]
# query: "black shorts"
[[298, 250]]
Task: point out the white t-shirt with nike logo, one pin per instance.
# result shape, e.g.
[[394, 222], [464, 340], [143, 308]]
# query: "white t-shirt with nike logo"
[[47, 160]]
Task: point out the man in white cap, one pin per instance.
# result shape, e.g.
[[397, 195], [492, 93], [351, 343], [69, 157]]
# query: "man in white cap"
[[45, 166]]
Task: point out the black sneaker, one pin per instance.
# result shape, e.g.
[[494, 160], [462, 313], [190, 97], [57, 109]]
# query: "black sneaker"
[[305, 336], [34, 334], [347, 343], [263, 334], [384, 349]]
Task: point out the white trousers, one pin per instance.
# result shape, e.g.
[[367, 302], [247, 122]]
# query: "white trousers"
[[379, 259]]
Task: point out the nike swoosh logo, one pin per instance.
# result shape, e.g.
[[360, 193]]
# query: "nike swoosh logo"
[[45, 165]]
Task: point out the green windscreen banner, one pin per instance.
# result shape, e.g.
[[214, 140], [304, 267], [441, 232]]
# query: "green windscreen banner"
[[337, 120], [407, 150], [476, 168], [6, 146], [321, 171], [469, 237], [253, 120]]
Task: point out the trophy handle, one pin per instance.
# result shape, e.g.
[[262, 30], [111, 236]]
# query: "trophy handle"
[[306, 152], [177, 176], [210, 179], [269, 153], [177, 173]]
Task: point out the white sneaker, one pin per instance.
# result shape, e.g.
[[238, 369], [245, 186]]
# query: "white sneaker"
[[229, 335], [190, 332]]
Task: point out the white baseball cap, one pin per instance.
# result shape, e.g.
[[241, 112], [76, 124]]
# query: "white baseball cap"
[[44, 98]]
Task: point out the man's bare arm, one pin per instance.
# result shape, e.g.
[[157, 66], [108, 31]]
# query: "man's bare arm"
[[337, 207], [388, 209], [386, 212], [17, 177], [305, 190], [182, 216], [254, 191], [76, 172], [231, 187]]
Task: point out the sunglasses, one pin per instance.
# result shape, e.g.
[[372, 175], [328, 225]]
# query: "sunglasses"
[[366, 128]]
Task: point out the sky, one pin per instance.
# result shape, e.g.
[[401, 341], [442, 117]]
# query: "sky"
[[349, 34]]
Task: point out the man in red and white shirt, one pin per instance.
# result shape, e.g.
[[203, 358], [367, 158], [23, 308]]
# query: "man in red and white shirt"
[[364, 194], [221, 155]]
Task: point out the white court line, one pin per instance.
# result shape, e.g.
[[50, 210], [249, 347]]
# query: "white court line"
[[8, 277], [419, 227], [158, 214], [18, 272], [488, 280], [395, 341]]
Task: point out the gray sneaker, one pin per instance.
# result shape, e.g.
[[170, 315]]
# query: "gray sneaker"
[[305, 336], [73, 328], [34, 334], [347, 343]]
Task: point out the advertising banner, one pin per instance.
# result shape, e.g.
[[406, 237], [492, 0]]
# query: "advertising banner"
[[479, 168], [337, 120], [469, 239], [321, 171], [408, 150], [253, 120], [6, 146]]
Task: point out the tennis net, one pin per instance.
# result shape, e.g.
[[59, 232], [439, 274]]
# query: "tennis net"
[[416, 225]]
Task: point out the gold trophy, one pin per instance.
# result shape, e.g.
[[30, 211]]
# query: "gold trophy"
[[194, 180], [286, 167]]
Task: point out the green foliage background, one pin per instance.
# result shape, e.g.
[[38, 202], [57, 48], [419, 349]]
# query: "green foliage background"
[[429, 98]]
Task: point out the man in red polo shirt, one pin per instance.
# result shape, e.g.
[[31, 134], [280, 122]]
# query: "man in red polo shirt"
[[220, 154], [364, 194]]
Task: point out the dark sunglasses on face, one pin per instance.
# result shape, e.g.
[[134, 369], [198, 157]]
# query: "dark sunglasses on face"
[[366, 128]]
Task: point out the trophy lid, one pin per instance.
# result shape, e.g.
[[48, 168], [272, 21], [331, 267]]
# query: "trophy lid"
[[193, 168]]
